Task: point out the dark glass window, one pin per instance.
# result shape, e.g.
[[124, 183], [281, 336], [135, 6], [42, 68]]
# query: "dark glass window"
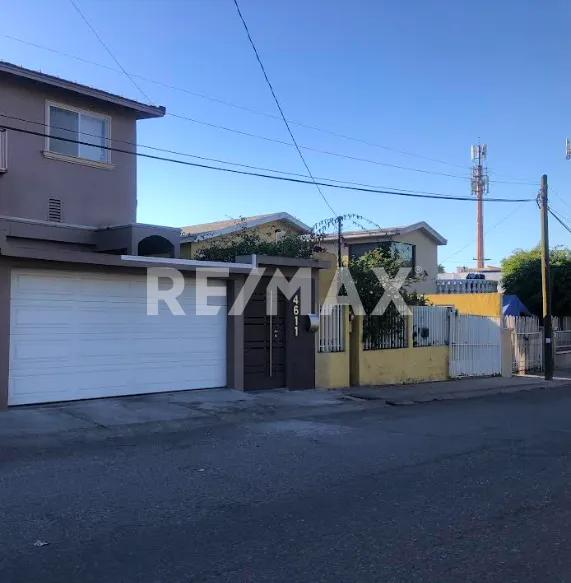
[[405, 253]]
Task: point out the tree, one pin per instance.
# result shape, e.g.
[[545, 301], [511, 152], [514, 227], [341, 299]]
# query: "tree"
[[391, 326], [441, 268], [522, 277], [250, 241]]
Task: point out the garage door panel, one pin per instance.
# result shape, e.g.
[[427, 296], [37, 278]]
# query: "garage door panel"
[[88, 335]]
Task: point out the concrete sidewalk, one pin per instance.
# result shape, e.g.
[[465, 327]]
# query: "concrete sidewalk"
[[189, 409]]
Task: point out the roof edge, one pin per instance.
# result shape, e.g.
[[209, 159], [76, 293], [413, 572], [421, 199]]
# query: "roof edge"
[[143, 109], [249, 224]]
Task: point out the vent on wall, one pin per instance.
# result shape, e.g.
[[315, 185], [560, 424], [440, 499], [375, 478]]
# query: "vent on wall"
[[3, 150], [54, 210]]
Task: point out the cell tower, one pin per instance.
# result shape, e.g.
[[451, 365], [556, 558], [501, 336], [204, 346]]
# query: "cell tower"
[[480, 186], [568, 149]]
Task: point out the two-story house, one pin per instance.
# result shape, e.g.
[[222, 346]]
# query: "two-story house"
[[73, 259]]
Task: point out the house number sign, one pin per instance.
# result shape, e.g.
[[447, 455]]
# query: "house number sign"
[[295, 304]]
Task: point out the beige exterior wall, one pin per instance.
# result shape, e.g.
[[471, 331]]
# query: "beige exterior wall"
[[426, 256], [484, 304], [94, 196], [266, 232]]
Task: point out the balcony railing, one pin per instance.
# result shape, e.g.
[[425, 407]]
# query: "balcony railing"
[[466, 286]]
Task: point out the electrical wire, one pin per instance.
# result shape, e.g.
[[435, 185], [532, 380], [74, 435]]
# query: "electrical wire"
[[267, 176], [227, 103], [217, 160], [278, 105], [486, 232], [109, 51], [559, 220], [275, 140]]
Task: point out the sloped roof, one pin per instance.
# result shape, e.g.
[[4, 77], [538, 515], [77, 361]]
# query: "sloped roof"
[[227, 227], [391, 232], [143, 110]]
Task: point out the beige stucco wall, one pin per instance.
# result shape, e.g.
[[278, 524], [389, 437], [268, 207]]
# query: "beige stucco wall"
[[267, 232], [484, 304], [89, 196], [426, 256]]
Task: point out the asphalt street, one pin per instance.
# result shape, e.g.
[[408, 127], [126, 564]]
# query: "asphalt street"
[[469, 490]]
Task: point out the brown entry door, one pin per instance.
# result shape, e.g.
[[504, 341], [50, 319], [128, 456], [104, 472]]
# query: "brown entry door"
[[264, 341]]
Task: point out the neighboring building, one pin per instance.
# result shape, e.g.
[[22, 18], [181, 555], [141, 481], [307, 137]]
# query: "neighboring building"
[[461, 281], [416, 244], [74, 261], [269, 227]]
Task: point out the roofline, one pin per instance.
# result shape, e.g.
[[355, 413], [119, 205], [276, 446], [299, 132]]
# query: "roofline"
[[391, 231], [205, 235], [144, 110]]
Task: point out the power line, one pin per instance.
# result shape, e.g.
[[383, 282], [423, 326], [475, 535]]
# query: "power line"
[[109, 51], [227, 103], [267, 176], [559, 220], [330, 152], [317, 150], [275, 140], [489, 230], [269, 83], [217, 160]]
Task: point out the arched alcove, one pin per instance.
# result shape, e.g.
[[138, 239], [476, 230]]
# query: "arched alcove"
[[155, 246]]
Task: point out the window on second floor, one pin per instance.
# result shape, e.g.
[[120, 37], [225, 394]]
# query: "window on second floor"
[[403, 253], [82, 126]]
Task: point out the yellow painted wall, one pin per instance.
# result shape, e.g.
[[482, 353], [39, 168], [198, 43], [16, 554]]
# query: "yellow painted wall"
[[403, 365], [398, 365], [267, 232], [332, 369], [484, 304]]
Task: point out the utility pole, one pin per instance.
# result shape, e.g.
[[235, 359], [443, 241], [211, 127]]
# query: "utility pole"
[[339, 233], [480, 185], [546, 281]]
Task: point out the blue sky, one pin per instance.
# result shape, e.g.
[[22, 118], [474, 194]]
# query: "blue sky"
[[428, 78]]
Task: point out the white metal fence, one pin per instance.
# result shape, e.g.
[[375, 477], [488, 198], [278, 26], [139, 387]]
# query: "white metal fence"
[[527, 343], [332, 330], [562, 323], [475, 345], [562, 340], [430, 325]]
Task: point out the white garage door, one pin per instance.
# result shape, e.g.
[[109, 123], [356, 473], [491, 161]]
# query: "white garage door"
[[84, 335]]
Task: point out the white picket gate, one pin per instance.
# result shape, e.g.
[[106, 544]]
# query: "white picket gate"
[[475, 345]]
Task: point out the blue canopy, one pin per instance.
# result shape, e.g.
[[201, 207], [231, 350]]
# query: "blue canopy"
[[513, 306]]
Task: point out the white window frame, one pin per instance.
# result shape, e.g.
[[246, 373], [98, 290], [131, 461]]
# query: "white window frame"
[[70, 158]]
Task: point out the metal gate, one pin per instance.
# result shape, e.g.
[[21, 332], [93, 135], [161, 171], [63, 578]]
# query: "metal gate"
[[475, 345], [527, 343]]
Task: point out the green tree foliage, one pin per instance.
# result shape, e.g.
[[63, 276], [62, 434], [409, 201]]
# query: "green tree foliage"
[[522, 277], [250, 241], [391, 324]]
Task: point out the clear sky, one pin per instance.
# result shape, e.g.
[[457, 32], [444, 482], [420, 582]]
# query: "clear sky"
[[428, 78]]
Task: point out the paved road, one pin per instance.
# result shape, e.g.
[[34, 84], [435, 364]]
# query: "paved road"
[[476, 490]]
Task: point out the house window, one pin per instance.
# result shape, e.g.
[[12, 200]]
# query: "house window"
[[82, 126], [403, 253]]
